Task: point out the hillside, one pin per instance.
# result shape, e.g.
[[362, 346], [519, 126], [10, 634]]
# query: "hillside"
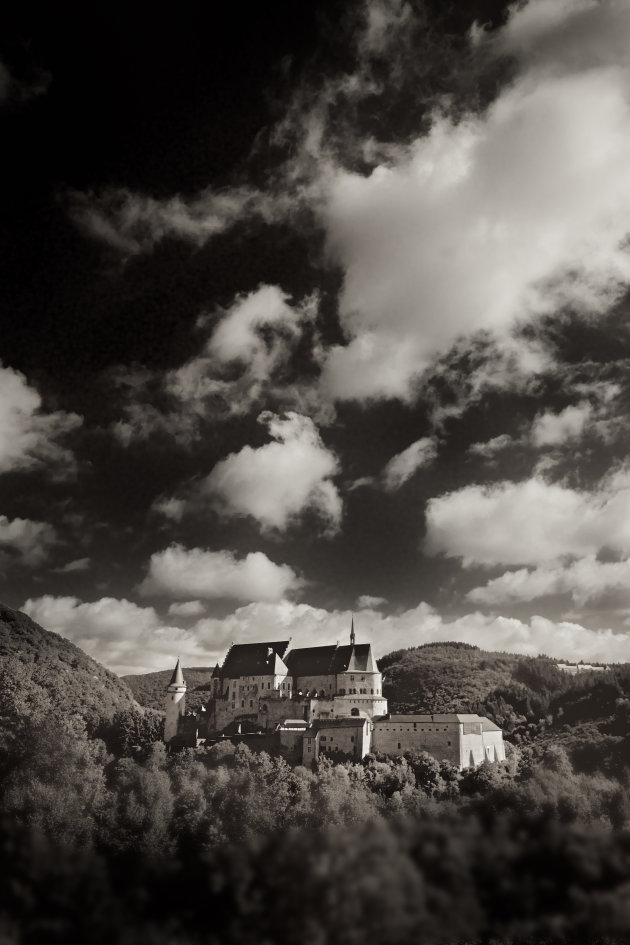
[[37, 666], [150, 688], [449, 677]]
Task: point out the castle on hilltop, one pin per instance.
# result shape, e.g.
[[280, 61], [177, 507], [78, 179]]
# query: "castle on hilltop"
[[311, 701]]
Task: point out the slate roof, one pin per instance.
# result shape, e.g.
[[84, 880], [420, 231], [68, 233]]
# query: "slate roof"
[[177, 679], [253, 659], [325, 660]]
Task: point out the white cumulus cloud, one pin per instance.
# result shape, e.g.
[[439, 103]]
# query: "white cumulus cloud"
[[493, 219], [279, 481], [128, 638], [186, 573], [29, 437], [118, 633], [531, 522], [554, 429], [586, 580]]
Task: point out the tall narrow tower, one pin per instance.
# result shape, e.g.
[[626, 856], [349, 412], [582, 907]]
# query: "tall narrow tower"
[[175, 702], [352, 632]]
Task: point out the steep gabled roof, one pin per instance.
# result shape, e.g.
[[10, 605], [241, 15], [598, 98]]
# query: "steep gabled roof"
[[311, 660], [355, 659], [324, 660], [216, 672], [254, 659]]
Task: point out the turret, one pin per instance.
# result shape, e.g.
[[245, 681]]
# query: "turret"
[[175, 702], [352, 632]]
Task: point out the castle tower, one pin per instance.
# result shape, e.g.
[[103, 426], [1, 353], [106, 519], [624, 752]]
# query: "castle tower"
[[175, 702]]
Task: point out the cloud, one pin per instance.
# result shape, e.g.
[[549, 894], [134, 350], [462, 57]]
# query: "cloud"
[[368, 602], [118, 633], [128, 638], [133, 223], [241, 363], [492, 219], [72, 567], [554, 429], [586, 580], [401, 467], [171, 508], [531, 522], [25, 542], [279, 481], [490, 448], [189, 608], [419, 625], [185, 573], [28, 436]]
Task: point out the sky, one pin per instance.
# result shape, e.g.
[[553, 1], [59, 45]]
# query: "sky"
[[312, 310]]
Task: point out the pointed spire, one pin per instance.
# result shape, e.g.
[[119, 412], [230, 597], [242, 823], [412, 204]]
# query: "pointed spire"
[[352, 632], [177, 679]]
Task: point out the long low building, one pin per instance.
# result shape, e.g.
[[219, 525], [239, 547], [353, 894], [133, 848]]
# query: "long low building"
[[464, 739]]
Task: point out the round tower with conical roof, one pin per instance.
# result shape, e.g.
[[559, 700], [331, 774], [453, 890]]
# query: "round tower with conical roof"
[[175, 702]]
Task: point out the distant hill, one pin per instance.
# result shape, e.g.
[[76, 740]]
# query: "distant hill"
[[447, 677], [150, 688], [37, 664]]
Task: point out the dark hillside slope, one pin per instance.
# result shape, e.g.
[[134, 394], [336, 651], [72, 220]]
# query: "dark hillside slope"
[[36, 664], [150, 688], [450, 677]]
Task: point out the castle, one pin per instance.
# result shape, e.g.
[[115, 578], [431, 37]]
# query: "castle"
[[312, 701]]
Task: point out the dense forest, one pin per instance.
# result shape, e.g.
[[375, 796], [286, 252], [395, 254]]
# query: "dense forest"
[[109, 838]]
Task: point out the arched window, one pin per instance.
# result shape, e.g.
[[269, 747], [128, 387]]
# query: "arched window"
[[354, 711]]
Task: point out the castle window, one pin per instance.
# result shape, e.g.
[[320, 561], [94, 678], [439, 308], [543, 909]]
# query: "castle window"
[[250, 703], [352, 738], [399, 744], [448, 743], [352, 679], [242, 703]]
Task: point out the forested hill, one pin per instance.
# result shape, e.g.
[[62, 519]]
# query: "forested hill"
[[150, 688], [40, 668], [458, 677]]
